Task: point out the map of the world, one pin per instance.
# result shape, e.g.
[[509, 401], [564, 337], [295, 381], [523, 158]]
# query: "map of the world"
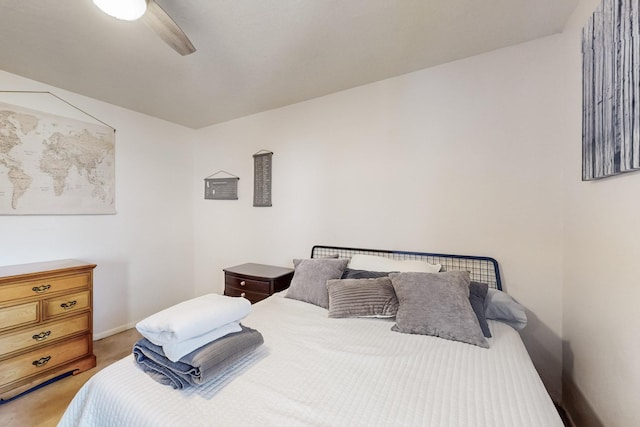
[[54, 165]]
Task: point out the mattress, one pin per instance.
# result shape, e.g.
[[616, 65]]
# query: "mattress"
[[316, 371]]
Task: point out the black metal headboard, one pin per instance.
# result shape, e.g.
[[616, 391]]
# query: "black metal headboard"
[[482, 269]]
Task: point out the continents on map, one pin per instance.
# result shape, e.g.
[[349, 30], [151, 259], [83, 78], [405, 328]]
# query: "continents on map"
[[54, 165], [85, 152]]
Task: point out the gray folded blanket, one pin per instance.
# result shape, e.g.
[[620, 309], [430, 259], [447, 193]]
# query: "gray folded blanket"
[[199, 366]]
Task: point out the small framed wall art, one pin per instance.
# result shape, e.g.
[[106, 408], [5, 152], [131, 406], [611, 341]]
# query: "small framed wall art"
[[225, 188]]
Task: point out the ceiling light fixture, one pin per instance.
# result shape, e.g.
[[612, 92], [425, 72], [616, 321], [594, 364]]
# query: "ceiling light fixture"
[[127, 10]]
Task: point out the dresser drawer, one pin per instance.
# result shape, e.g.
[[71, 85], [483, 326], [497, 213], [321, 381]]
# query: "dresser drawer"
[[66, 304], [17, 315], [44, 333], [43, 359], [43, 287], [248, 284]]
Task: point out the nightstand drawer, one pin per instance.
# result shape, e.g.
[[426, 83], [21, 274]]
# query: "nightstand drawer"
[[66, 304], [248, 284], [44, 333], [251, 296], [43, 359], [43, 287], [21, 314]]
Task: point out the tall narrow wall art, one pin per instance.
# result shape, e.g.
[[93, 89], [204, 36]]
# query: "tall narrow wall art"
[[611, 90], [262, 161]]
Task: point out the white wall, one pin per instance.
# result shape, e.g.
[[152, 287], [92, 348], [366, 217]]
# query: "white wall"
[[144, 252], [601, 286], [463, 158]]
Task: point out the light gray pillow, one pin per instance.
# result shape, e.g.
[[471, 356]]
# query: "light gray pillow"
[[501, 306], [362, 298], [436, 304], [309, 282]]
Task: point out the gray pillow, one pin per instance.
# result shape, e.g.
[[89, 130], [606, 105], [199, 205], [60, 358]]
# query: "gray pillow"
[[436, 304], [350, 273], [501, 306], [477, 297], [362, 298], [309, 282]]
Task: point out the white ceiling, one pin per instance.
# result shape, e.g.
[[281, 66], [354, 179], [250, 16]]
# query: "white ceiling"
[[255, 55]]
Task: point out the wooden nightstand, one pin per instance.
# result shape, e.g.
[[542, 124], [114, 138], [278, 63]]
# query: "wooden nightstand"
[[255, 282]]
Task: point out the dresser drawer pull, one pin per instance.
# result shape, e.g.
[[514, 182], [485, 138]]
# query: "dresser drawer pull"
[[243, 283], [40, 289], [41, 336], [68, 305], [41, 362], [242, 294]]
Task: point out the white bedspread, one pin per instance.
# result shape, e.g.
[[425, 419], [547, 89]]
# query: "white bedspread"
[[316, 371]]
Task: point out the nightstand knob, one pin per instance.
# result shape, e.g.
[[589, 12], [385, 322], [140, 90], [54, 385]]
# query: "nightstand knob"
[[242, 294], [243, 283]]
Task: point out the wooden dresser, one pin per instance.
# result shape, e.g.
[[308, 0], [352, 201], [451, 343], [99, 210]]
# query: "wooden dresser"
[[46, 323], [256, 282]]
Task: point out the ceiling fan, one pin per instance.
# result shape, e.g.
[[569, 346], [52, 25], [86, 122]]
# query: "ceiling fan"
[[153, 16]]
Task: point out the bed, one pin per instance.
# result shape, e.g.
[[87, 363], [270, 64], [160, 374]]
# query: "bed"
[[313, 370]]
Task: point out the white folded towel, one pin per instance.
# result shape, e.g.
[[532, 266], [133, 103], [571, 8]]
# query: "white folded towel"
[[192, 318], [175, 351]]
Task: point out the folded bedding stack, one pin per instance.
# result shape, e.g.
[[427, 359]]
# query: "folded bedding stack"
[[194, 341]]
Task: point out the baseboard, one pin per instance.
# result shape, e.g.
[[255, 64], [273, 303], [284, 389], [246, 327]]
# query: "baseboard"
[[576, 406], [113, 331]]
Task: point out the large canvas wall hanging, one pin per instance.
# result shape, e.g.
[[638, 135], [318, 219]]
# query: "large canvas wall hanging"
[[611, 90], [51, 164]]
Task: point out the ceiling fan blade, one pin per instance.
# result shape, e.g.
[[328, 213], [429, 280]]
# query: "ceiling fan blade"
[[160, 22]]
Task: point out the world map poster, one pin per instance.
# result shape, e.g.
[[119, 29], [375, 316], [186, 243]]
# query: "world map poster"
[[52, 165]]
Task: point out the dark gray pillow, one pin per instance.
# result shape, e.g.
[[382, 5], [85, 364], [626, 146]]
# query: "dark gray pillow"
[[477, 295], [436, 304], [309, 282], [362, 298], [350, 273]]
